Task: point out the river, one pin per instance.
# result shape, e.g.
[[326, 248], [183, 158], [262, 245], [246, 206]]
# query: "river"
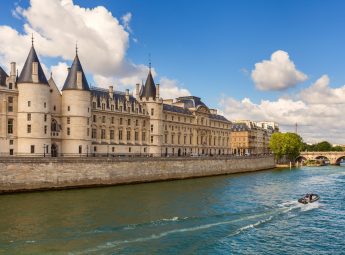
[[252, 213]]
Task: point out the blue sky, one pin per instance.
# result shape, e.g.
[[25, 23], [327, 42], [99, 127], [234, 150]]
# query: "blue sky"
[[210, 47]]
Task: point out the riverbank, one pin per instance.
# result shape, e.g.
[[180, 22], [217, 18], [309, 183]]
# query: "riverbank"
[[30, 174]]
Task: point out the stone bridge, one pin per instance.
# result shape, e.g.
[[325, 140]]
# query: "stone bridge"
[[334, 157]]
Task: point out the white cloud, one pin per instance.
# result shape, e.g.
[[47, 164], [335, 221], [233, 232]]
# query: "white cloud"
[[278, 73], [170, 89], [317, 110], [57, 24]]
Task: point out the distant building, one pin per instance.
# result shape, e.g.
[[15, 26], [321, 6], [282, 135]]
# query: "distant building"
[[37, 119], [251, 138]]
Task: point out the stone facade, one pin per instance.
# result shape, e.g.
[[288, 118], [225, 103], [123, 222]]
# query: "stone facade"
[[37, 119], [251, 138], [49, 173]]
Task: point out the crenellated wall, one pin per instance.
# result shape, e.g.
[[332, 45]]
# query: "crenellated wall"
[[25, 174]]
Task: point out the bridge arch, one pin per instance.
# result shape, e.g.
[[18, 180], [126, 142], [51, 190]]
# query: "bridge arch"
[[340, 159], [300, 159]]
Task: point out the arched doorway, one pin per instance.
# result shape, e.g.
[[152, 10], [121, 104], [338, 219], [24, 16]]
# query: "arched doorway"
[[54, 150]]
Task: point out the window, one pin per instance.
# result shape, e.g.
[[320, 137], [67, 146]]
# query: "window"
[[111, 134], [10, 86], [120, 121], [151, 139], [103, 134], [112, 107], [129, 122], [113, 149], [172, 139], [10, 126], [152, 111], [120, 108], [28, 129], [136, 122], [94, 118], [10, 100], [151, 128], [94, 133], [166, 138], [143, 136], [45, 117], [10, 108], [80, 149], [11, 152], [68, 131], [95, 149], [68, 108], [94, 105], [45, 129], [103, 119], [136, 136], [88, 121], [11, 142], [144, 123], [45, 105], [29, 116], [112, 120], [88, 132], [129, 149], [128, 135], [120, 135], [54, 108], [32, 148], [68, 120], [103, 106], [29, 103]]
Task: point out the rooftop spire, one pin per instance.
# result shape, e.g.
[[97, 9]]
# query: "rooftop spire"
[[150, 62], [32, 39], [76, 47]]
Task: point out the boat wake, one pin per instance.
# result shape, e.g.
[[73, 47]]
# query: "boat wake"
[[238, 223]]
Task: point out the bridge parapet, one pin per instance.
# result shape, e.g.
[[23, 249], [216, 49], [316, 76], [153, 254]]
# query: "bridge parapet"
[[333, 156]]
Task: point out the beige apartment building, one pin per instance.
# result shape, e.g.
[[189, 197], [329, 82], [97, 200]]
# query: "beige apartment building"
[[251, 138], [37, 119]]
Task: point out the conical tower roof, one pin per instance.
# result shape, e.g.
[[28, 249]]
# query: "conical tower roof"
[[71, 80], [149, 89], [3, 76], [26, 74]]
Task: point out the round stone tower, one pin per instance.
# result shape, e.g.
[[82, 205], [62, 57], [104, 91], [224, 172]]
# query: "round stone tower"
[[34, 118], [150, 96], [76, 112]]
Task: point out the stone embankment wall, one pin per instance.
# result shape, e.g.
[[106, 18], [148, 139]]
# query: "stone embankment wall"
[[24, 174]]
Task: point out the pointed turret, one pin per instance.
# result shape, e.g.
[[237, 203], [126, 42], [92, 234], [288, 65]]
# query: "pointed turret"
[[3, 77], [149, 89], [32, 71], [76, 78]]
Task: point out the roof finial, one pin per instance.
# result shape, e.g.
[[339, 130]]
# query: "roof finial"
[[76, 47], [150, 62], [32, 39]]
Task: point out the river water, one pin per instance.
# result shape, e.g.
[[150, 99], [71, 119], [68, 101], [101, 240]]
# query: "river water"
[[253, 213]]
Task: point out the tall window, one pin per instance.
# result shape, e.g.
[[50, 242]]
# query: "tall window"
[[120, 135], [152, 111], [10, 104], [136, 122], [103, 134], [68, 108], [45, 105], [120, 121], [166, 138], [28, 129], [10, 126], [128, 135], [80, 149], [68, 120], [45, 117], [32, 148], [29, 116], [151, 139], [68, 131], [112, 120], [94, 133], [143, 136], [103, 119], [29, 103], [151, 128], [136, 137], [94, 118], [103, 106], [94, 105], [129, 122], [45, 129], [111, 134]]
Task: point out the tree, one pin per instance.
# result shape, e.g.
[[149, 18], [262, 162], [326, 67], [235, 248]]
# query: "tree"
[[323, 146], [286, 144]]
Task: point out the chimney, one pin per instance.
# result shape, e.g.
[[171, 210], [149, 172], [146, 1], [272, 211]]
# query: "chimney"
[[13, 69], [137, 86], [35, 72], [111, 92], [157, 91], [127, 94], [79, 80]]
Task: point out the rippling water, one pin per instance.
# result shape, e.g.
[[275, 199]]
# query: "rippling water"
[[254, 213]]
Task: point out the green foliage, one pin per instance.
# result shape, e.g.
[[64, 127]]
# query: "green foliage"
[[286, 144], [322, 146]]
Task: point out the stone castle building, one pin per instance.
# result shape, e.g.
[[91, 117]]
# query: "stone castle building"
[[37, 119]]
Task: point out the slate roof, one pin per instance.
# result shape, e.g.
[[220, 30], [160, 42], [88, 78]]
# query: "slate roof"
[[176, 109], [118, 96], [26, 73], [71, 80], [240, 127], [149, 89], [191, 101], [3, 76], [218, 117]]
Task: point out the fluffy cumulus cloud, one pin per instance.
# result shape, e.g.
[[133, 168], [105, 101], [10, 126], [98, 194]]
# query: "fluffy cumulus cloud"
[[57, 24], [278, 73], [317, 110], [171, 89]]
